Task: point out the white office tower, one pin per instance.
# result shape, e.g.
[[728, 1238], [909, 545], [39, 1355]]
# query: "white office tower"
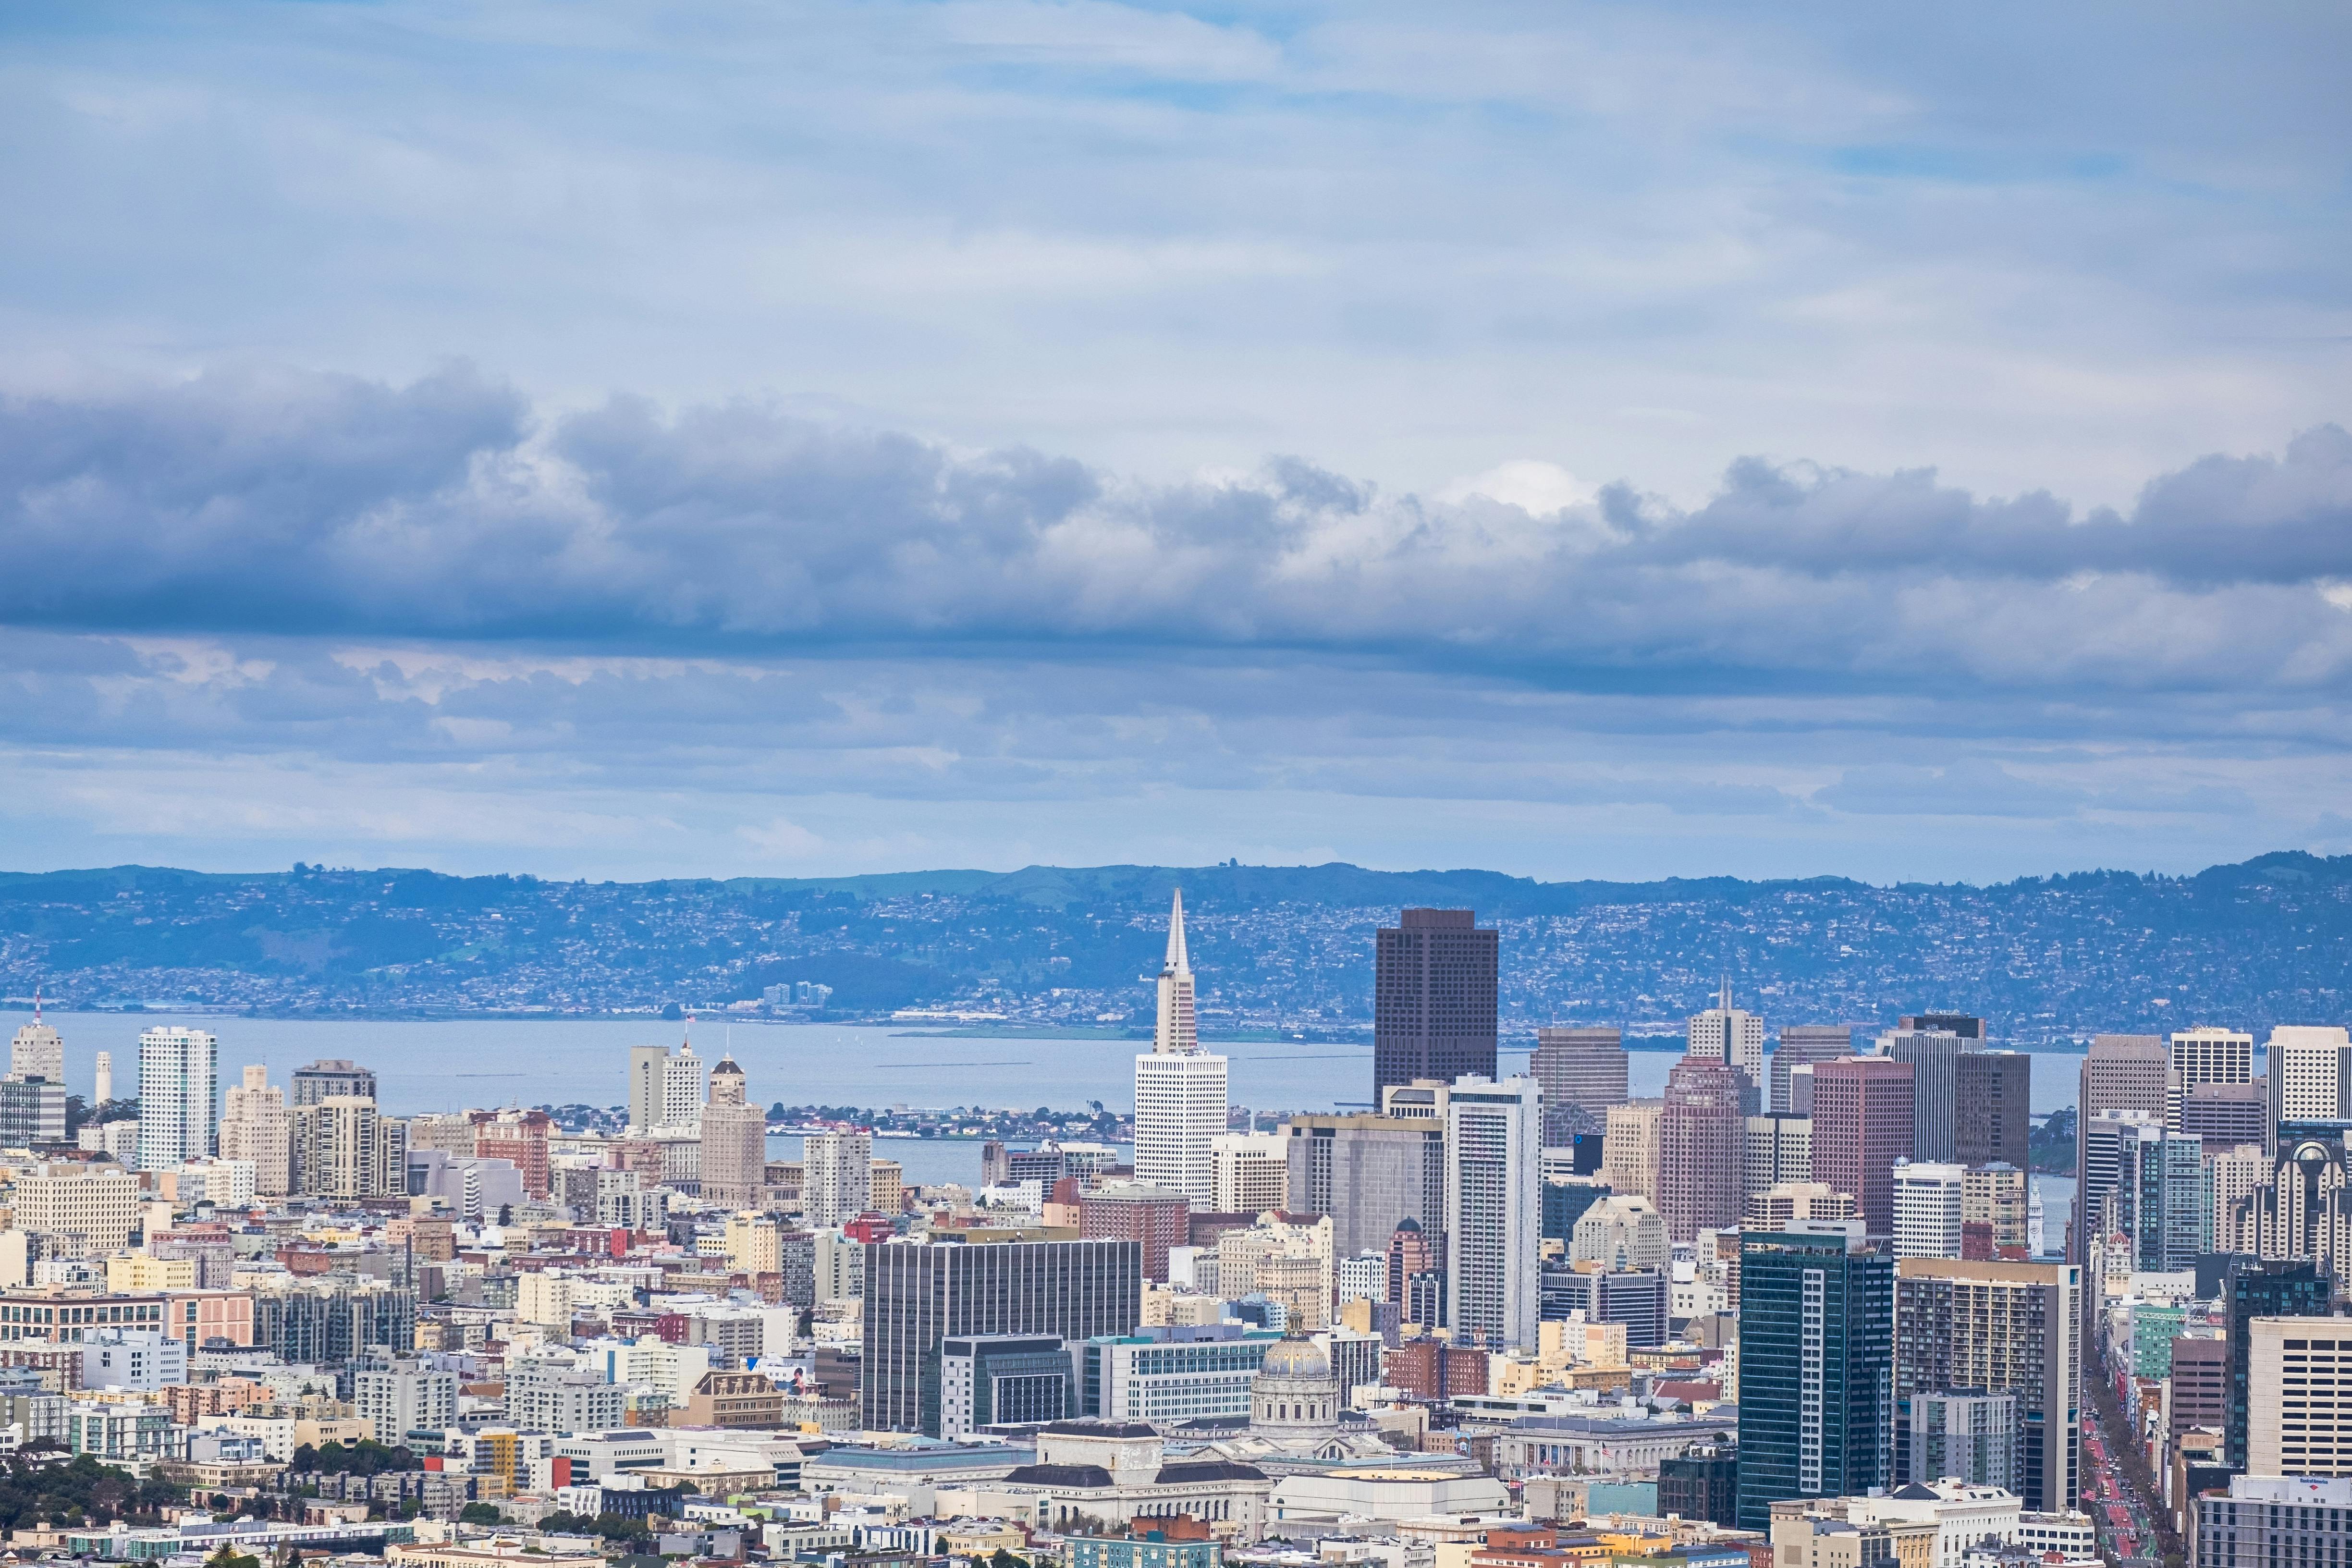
[[2305, 1070], [1180, 1090], [38, 1051], [666, 1090], [2205, 1056], [1494, 1136], [837, 1176], [179, 1096], [1725, 1034], [103, 1064], [1928, 1206]]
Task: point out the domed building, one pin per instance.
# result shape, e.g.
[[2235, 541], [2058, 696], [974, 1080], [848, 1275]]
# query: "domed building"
[[1294, 1394]]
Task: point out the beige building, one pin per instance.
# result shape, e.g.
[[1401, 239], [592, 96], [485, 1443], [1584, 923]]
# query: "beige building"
[[755, 1242], [1995, 1195], [889, 1195], [1287, 1255], [259, 1130], [99, 1204], [1629, 1150], [343, 1149], [1250, 1172], [2237, 1176], [2299, 1388], [734, 1168]]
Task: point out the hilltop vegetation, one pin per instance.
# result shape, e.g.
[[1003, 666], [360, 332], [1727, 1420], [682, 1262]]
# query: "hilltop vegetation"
[[2265, 941]]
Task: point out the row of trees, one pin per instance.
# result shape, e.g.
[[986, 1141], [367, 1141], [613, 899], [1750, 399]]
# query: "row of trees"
[[38, 1485]]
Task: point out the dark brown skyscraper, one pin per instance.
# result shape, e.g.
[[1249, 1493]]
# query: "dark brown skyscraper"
[[1996, 1094], [1434, 999], [1801, 1043]]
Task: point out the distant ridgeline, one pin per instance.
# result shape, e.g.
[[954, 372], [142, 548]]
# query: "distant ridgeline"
[[2266, 942]]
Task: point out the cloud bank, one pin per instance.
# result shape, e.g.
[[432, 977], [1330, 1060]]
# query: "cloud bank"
[[451, 509]]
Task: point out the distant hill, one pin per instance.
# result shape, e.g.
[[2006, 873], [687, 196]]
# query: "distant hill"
[[2265, 941]]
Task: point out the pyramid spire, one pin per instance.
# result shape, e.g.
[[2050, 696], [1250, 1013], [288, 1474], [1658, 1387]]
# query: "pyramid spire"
[[1177, 964]]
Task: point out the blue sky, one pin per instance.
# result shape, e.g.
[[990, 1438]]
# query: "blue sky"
[[1609, 440]]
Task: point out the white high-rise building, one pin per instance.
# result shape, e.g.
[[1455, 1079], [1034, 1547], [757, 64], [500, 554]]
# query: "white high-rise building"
[[837, 1176], [1929, 1200], [1181, 1100], [666, 1090], [38, 1051], [1725, 1034], [2205, 1056], [1494, 1145], [2305, 1070], [1252, 1171], [179, 1096]]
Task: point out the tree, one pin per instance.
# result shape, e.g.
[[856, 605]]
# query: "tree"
[[229, 1557], [480, 1514]]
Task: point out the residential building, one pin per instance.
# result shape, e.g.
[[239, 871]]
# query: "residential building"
[[405, 1396], [1803, 1045], [1997, 1197], [2002, 1328], [257, 1128], [1968, 1434], [1155, 1218], [2202, 1055], [1584, 1068], [333, 1078], [836, 1175], [1702, 1145], [666, 1090], [1995, 1101], [1629, 1160], [1494, 1135], [1286, 1257], [2268, 1288], [553, 1393], [734, 1142], [140, 1360], [179, 1096], [1180, 1097], [1862, 1125], [1366, 1172], [1929, 1207], [1621, 1233], [1779, 1149], [1433, 998], [1816, 1370], [918, 1294], [520, 1138], [343, 1149], [1250, 1172], [2159, 1200]]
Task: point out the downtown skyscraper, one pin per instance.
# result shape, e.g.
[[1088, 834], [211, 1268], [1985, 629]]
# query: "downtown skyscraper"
[[1181, 1095], [1433, 998], [1494, 1134], [1816, 1371]]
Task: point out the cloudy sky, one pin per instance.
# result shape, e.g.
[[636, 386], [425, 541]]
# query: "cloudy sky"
[[820, 436]]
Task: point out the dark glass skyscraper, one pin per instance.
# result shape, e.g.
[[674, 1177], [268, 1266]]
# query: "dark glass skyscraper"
[[2270, 1288], [1816, 1372], [1434, 999], [918, 1295]]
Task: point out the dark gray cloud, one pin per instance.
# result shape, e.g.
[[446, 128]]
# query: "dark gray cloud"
[[293, 503]]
